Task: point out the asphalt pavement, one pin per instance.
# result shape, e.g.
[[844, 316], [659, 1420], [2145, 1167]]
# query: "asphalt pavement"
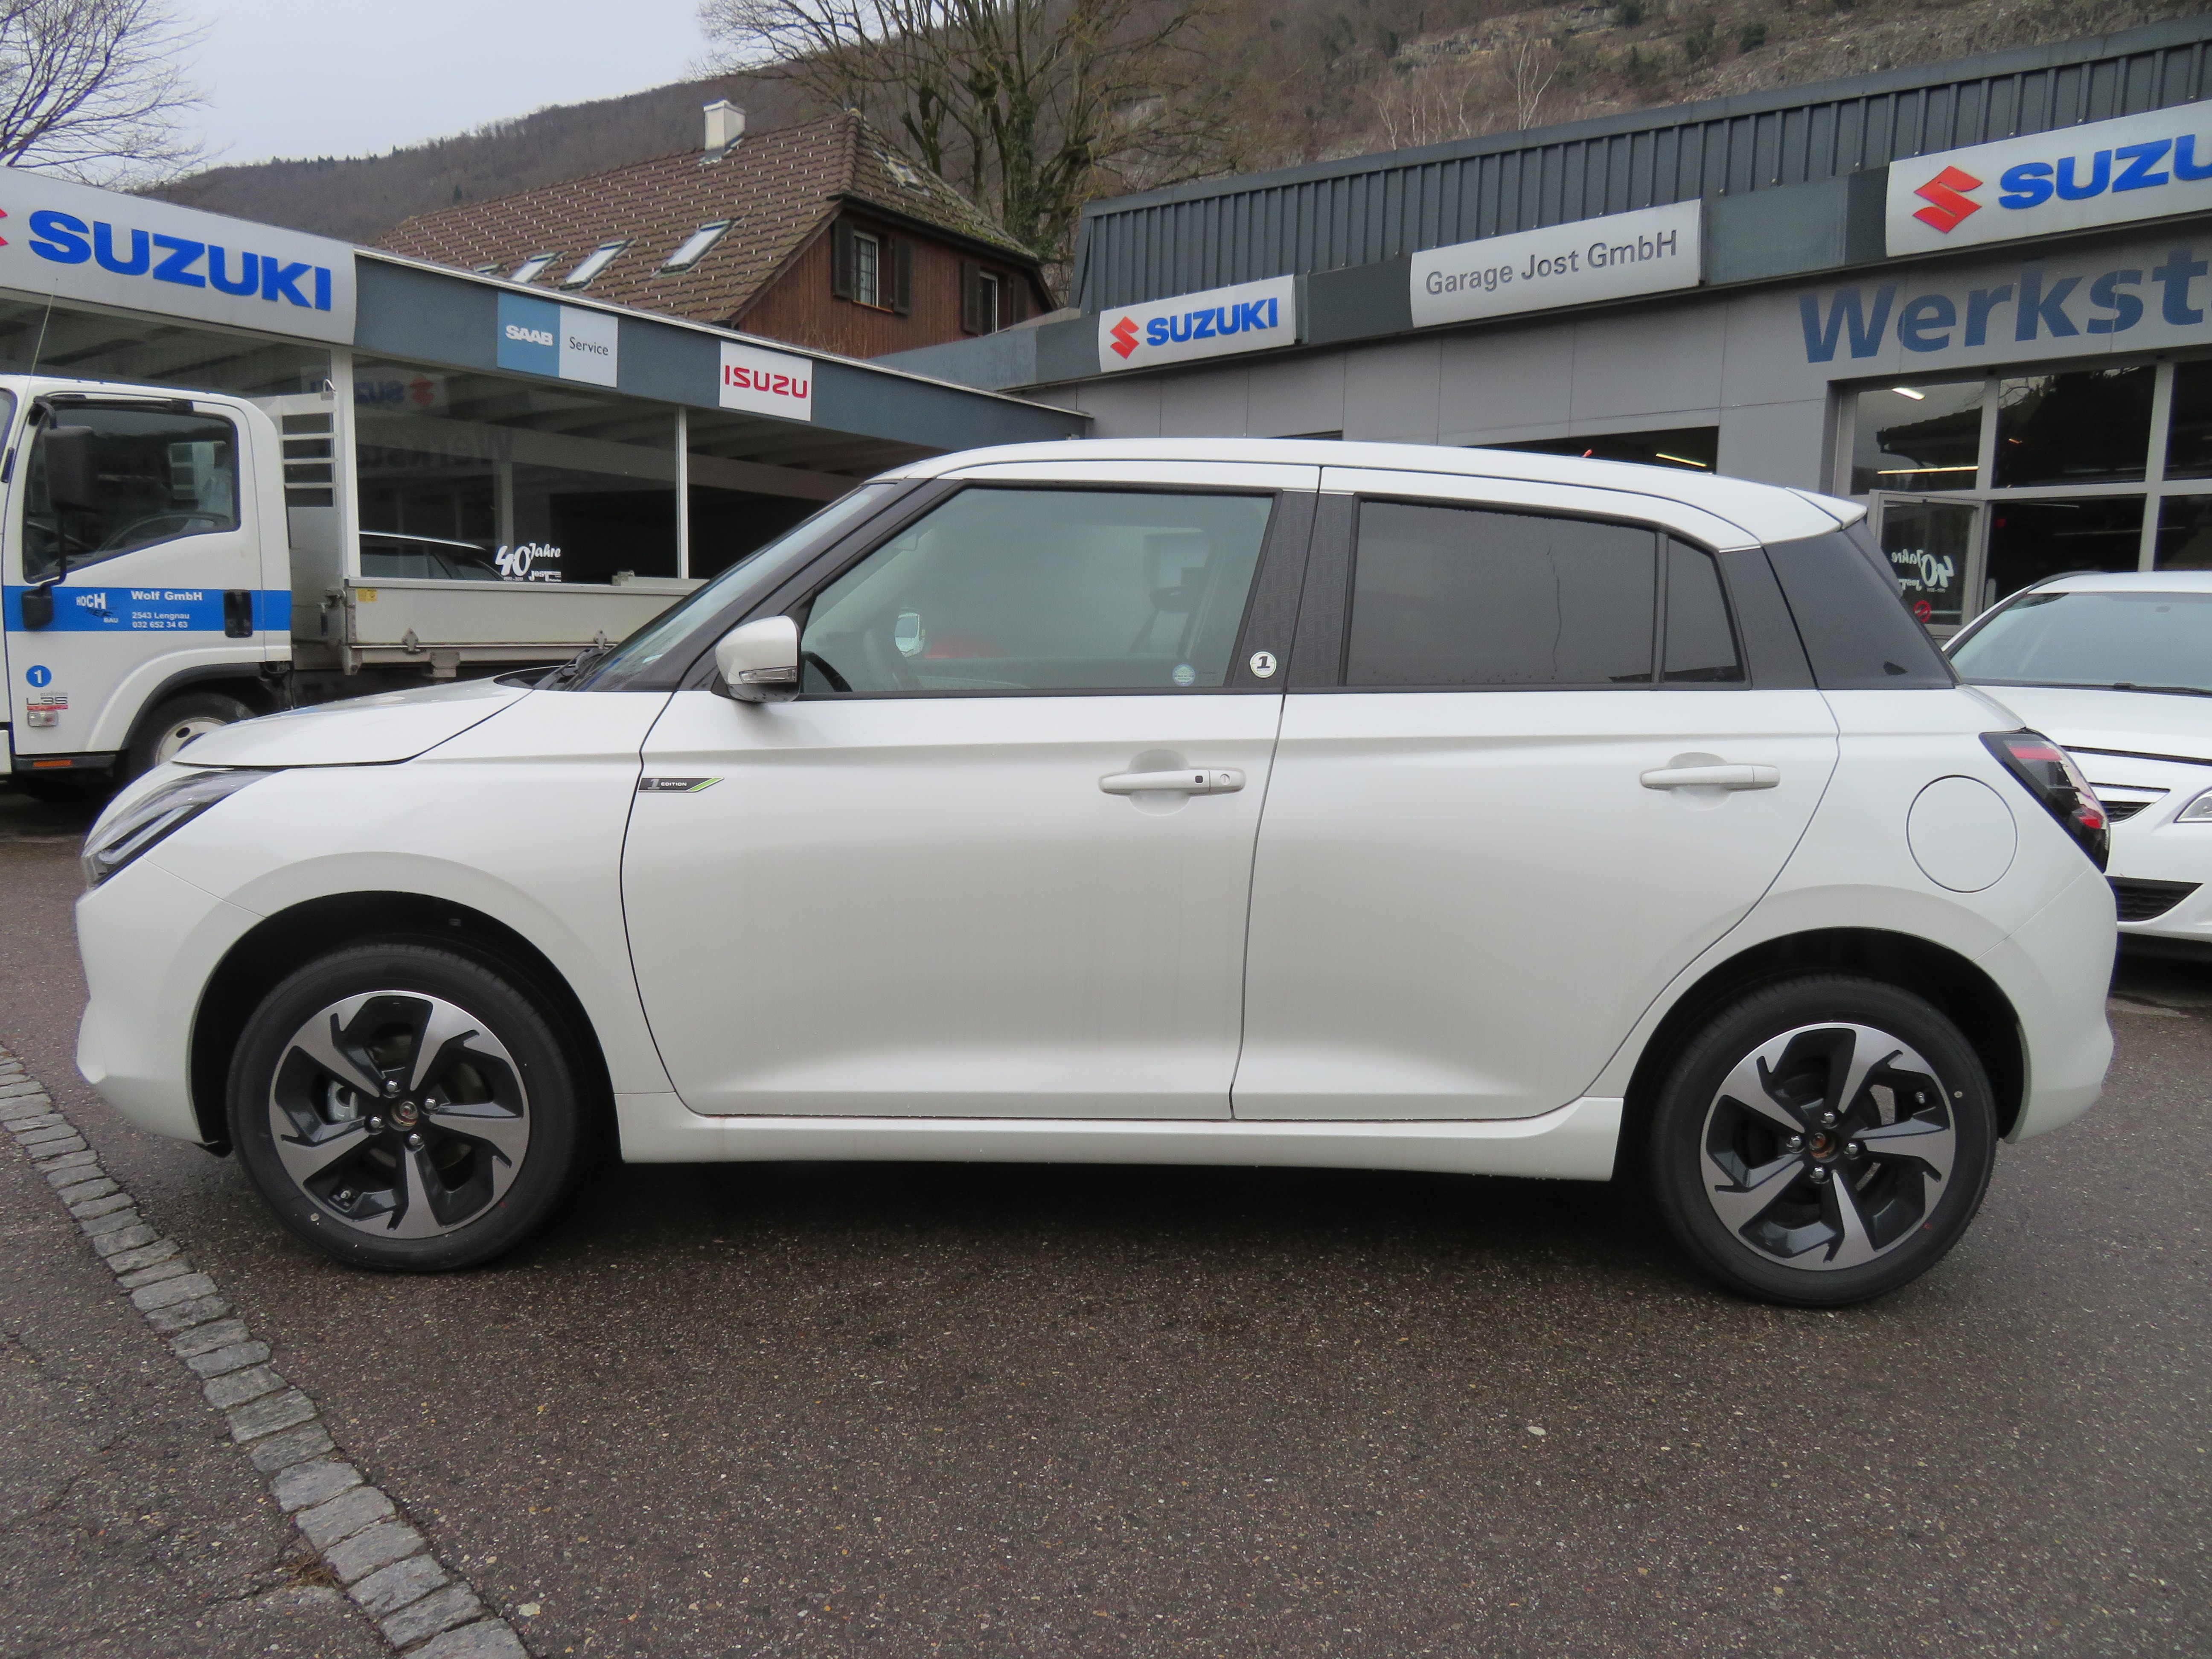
[[914, 1410]]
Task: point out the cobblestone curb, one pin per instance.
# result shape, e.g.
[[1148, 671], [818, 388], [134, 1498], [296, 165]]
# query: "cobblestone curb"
[[424, 1609]]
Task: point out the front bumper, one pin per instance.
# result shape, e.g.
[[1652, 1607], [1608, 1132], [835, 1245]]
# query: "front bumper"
[[2161, 871], [150, 942]]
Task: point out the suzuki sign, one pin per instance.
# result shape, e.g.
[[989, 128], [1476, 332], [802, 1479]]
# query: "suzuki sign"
[[1249, 317], [2105, 173], [70, 241]]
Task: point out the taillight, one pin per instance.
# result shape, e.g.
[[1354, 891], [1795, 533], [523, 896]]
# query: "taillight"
[[2052, 778]]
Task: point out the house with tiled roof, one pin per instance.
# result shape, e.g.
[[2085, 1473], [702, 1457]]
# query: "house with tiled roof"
[[818, 234]]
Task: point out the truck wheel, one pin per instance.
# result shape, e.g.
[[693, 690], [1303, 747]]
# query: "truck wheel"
[[1822, 1141], [406, 1108], [174, 723]]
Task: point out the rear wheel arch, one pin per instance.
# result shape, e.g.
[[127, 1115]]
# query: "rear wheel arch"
[[1962, 992], [278, 945]]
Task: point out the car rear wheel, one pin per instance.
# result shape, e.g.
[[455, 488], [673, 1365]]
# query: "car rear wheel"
[[404, 1108], [1822, 1140]]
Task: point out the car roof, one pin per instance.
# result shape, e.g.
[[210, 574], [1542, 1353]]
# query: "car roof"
[[2126, 581], [1769, 511]]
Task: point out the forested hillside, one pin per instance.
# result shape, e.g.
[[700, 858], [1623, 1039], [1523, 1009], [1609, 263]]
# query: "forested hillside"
[[1299, 79]]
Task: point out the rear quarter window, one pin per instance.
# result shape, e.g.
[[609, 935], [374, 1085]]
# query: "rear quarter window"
[[1850, 615]]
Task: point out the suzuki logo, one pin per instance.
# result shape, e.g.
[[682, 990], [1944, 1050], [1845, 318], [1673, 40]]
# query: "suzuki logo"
[[1946, 209], [1125, 336]]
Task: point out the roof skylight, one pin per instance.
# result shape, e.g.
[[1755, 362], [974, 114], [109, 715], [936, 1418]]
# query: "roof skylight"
[[696, 245], [594, 262], [532, 267]]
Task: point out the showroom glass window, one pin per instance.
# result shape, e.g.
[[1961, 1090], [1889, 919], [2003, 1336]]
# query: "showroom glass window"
[[1044, 590], [1471, 596], [484, 478]]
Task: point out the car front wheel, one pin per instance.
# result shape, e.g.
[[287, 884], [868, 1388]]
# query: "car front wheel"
[[1822, 1140], [404, 1108]]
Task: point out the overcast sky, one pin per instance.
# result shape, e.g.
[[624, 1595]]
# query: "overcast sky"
[[354, 77]]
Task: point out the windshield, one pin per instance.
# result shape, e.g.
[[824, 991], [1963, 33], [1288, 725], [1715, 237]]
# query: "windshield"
[[2130, 642], [643, 651]]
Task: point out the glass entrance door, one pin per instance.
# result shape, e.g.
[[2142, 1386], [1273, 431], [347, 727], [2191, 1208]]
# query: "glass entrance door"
[[1932, 542]]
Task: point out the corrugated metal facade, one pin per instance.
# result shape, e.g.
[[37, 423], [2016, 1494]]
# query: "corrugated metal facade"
[[1366, 209]]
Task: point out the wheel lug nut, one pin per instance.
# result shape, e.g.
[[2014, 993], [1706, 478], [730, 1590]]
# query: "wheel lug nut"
[[376, 1125], [414, 1143], [1794, 1144], [1820, 1172], [1855, 1149], [389, 1087], [1827, 1120]]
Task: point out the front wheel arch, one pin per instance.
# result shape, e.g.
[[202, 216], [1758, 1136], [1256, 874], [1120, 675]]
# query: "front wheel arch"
[[1960, 991], [277, 946]]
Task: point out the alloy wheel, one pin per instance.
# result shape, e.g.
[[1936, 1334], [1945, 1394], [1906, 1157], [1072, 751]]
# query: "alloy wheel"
[[399, 1113], [1828, 1146]]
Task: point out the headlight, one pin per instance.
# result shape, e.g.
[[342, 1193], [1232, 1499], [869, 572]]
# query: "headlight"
[[2197, 811], [154, 817]]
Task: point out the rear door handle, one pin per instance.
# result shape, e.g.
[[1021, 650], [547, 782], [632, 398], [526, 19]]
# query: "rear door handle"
[[1198, 780], [1712, 777]]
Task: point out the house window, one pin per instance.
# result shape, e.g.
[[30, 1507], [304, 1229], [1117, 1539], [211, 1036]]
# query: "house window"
[[594, 262], [990, 299], [987, 304], [868, 265], [696, 245]]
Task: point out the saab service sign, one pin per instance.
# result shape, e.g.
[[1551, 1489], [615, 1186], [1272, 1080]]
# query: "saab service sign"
[[767, 382], [1647, 252], [570, 342], [1249, 317], [74, 242], [2104, 172]]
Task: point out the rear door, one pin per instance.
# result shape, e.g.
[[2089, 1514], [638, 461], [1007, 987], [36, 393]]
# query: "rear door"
[[1527, 774]]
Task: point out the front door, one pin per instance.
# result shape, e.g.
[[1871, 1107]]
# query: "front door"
[[1540, 787], [994, 859], [1931, 541]]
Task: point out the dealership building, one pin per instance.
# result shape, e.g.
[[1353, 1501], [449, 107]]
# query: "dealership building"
[[1976, 296], [432, 418]]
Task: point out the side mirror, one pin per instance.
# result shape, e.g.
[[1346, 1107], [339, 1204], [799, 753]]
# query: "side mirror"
[[71, 484], [759, 660]]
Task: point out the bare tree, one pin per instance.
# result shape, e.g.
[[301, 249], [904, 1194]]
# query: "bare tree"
[[1530, 65], [1031, 106], [95, 88]]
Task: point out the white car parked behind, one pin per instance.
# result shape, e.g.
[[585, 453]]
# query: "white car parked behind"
[[2118, 668], [1197, 802]]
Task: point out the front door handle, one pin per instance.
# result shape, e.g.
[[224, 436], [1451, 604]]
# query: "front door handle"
[[1712, 777], [1197, 780]]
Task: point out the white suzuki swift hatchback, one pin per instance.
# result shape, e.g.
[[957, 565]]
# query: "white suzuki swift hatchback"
[[1179, 802]]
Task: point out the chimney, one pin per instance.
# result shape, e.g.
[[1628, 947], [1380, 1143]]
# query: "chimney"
[[726, 124]]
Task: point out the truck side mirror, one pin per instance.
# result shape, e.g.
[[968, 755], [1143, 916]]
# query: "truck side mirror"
[[71, 484], [758, 660]]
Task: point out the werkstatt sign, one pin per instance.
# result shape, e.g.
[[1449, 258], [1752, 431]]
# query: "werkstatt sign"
[[75, 242], [1249, 317], [2104, 172], [1647, 252], [566, 342]]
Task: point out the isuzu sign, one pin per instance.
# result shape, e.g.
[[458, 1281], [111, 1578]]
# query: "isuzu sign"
[[767, 382], [1647, 252], [2105, 173], [1249, 317], [74, 242]]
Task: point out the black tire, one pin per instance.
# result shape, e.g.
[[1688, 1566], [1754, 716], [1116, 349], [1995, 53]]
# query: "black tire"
[[491, 1125], [1906, 1157], [170, 720]]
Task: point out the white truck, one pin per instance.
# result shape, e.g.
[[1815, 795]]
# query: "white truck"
[[176, 561]]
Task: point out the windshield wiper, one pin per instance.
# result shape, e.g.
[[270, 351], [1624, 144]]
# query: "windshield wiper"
[[2096, 686], [569, 672]]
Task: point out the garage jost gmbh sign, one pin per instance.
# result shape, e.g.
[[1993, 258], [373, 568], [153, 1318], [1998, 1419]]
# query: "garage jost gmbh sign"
[[1621, 254]]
